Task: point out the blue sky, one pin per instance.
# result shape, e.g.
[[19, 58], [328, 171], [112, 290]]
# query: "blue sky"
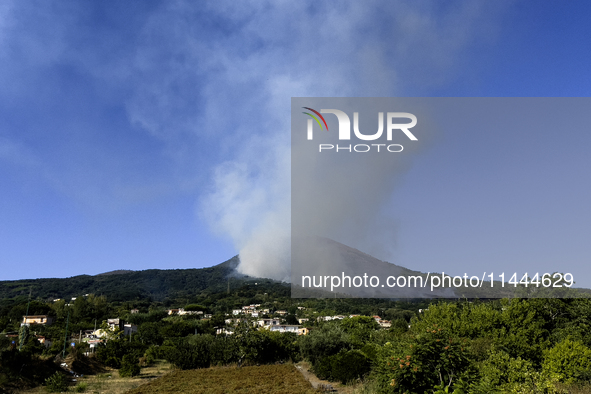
[[138, 135]]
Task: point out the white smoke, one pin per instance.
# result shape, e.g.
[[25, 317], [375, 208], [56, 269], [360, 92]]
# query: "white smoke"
[[309, 50], [229, 69]]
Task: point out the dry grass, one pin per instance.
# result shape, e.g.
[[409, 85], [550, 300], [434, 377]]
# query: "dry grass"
[[279, 379], [111, 383], [352, 388]]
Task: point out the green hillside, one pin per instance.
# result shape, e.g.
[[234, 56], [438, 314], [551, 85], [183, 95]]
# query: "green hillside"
[[153, 284]]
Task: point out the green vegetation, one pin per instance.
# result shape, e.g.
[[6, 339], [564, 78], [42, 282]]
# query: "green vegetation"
[[507, 345], [56, 383], [155, 285]]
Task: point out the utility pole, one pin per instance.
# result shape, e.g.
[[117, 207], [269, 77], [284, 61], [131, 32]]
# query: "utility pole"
[[66, 337]]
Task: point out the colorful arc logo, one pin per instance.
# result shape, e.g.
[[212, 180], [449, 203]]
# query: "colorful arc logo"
[[315, 118]]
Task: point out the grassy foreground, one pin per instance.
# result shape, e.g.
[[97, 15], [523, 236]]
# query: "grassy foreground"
[[280, 379], [109, 382]]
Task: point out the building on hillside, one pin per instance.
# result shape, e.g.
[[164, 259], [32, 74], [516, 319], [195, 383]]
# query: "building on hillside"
[[303, 331], [285, 328], [129, 329], [329, 318], [92, 343], [44, 341], [115, 323], [44, 320], [385, 323], [236, 321], [268, 322]]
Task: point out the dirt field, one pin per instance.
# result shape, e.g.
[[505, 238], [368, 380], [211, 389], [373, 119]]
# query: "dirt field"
[[279, 379]]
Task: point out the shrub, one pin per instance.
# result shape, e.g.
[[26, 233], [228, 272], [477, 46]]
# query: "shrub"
[[190, 353], [129, 366], [327, 341], [113, 351], [323, 368], [567, 362], [505, 373], [432, 358], [81, 387], [349, 365], [56, 383]]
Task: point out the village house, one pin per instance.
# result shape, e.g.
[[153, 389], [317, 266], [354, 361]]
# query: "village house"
[[129, 329], [223, 331], [44, 341], [45, 320], [115, 323], [182, 312], [268, 322], [235, 322], [286, 328], [329, 318], [303, 331], [385, 323]]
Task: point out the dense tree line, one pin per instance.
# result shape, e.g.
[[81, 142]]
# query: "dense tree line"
[[509, 345]]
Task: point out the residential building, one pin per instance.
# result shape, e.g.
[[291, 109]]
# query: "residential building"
[[285, 328], [45, 320]]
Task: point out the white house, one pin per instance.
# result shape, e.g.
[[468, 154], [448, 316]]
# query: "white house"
[[285, 328], [268, 322]]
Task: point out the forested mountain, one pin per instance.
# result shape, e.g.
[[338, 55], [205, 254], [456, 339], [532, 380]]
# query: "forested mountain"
[[159, 285], [153, 284]]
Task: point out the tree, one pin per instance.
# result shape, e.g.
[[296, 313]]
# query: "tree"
[[129, 366], [432, 358], [569, 362]]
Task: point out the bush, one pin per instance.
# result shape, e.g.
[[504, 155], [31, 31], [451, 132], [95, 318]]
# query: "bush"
[[567, 362], [190, 353], [349, 365], [56, 383], [344, 367], [114, 350], [323, 368], [81, 387], [429, 359], [129, 366], [327, 341], [505, 373]]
